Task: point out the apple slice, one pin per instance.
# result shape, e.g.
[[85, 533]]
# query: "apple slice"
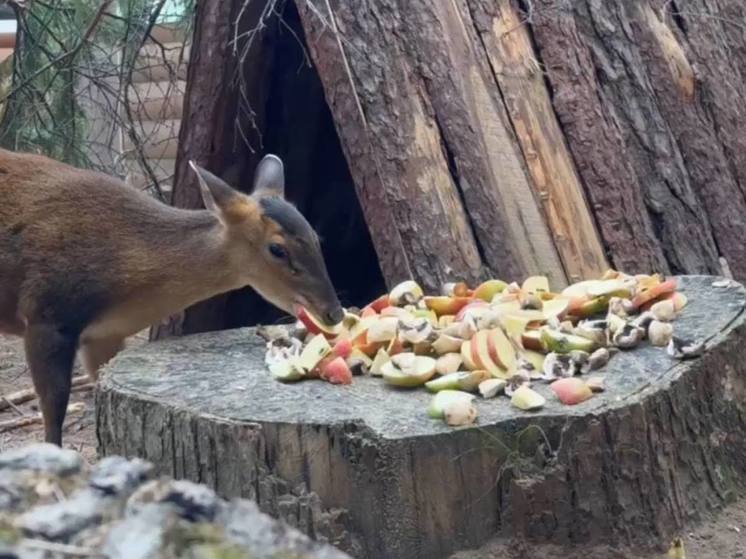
[[458, 381], [535, 358], [484, 352], [447, 344], [335, 371], [591, 307], [316, 326], [487, 290], [466, 356], [379, 304], [473, 308], [559, 342], [406, 293], [446, 305], [580, 289], [382, 357], [526, 399], [367, 312], [610, 288], [535, 284], [531, 340], [287, 370], [446, 320], [342, 348], [654, 292], [447, 399], [555, 308], [571, 390], [314, 352], [383, 330], [502, 349], [410, 372]]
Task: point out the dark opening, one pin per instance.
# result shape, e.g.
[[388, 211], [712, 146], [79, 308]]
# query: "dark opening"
[[298, 127]]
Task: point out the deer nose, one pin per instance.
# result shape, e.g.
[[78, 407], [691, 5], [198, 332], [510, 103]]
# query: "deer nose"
[[334, 316]]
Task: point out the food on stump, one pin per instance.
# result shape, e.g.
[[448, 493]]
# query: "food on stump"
[[498, 339]]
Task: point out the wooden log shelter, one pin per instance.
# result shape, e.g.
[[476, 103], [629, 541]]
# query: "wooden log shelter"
[[364, 468], [459, 140]]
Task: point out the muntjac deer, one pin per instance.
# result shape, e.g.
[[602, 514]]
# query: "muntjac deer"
[[86, 261]]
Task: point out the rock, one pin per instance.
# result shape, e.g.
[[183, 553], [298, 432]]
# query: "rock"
[[42, 457], [116, 510], [115, 475], [61, 520]]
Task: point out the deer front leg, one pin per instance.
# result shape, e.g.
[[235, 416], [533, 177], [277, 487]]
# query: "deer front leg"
[[96, 353], [50, 353]]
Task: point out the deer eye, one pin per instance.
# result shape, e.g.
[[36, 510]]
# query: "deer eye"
[[278, 251]]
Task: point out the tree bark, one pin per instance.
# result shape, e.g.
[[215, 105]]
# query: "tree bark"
[[208, 133], [636, 117], [439, 175], [664, 444]]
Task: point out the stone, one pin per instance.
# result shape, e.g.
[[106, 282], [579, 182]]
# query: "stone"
[[42, 457], [115, 510], [114, 475]]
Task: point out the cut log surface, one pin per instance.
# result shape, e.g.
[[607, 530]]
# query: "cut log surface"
[[364, 468]]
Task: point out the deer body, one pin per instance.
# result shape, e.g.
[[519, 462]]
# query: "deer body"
[[86, 261]]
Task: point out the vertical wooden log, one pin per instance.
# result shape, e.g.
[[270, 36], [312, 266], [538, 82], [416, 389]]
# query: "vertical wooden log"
[[423, 127], [208, 133], [648, 209], [556, 184], [682, 98]]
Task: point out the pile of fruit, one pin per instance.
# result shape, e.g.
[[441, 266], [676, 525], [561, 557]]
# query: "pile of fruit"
[[495, 339]]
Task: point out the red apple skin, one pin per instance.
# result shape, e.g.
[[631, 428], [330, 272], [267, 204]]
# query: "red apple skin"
[[342, 348], [336, 371], [473, 305], [654, 292], [312, 326], [379, 304], [571, 391], [446, 305], [368, 311]]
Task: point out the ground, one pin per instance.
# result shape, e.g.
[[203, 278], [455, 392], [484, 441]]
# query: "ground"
[[721, 537]]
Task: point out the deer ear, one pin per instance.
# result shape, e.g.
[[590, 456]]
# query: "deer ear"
[[269, 178], [217, 195]]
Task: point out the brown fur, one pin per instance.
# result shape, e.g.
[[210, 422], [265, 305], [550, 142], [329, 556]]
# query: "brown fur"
[[86, 261]]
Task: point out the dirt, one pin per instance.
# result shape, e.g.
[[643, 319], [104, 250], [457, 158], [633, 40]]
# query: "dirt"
[[721, 537]]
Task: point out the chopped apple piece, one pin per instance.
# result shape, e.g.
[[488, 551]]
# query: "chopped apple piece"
[[410, 372], [448, 363], [336, 371], [555, 308], [383, 329], [492, 387], [446, 400], [531, 339], [526, 399], [447, 344], [503, 350], [535, 358], [286, 371], [571, 390], [466, 356], [382, 357], [487, 290], [446, 305], [474, 308], [316, 326], [610, 288], [535, 284], [654, 292], [406, 293], [458, 381], [314, 352], [559, 342]]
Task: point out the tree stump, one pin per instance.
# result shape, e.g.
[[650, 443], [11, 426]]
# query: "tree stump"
[[364, 468]]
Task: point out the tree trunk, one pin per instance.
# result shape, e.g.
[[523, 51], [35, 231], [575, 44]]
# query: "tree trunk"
[[662, 445], [208, 135], [647, 128], [438, 171]]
